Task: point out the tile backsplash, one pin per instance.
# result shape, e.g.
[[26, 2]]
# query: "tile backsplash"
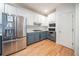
[[32, 28]]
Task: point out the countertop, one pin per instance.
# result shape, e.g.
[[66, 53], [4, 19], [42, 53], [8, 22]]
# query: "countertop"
[[36, 31]]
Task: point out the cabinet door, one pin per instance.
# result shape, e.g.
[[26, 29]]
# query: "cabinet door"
[[30, 19], [30, 38], [45, 34], [41, 36], [36, 37]]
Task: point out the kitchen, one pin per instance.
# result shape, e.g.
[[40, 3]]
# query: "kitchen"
[[25, 24]]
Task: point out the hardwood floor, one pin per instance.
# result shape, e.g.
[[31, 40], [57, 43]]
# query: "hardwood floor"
[[45, 48]]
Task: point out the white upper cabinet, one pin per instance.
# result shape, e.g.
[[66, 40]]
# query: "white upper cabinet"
[[30, 19], [34, 17], [52, 17], [43, 20], [10, 9]]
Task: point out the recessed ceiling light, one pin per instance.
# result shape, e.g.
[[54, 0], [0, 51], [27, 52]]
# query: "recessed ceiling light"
[[46, 11]]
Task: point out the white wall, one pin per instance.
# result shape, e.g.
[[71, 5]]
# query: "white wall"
[[77, 29], [64, 22]]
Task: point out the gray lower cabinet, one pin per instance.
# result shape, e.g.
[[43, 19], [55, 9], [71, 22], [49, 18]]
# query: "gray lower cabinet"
[[36, 36], [30, 38], [33, 37], [43, 35], [47, 35], [0, 45]]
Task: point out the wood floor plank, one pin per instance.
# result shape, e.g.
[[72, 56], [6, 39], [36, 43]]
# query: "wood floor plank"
[[45, 48]]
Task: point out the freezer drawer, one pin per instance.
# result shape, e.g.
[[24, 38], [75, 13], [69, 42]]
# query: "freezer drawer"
[[14, 46], [7, 49]]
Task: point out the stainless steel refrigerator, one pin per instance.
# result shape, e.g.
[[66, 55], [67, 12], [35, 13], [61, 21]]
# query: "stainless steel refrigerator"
[[12, 34]]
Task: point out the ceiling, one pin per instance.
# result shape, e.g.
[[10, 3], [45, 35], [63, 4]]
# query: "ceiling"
[[41, 8]]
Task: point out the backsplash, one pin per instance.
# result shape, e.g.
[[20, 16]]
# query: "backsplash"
[[32, 28]]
